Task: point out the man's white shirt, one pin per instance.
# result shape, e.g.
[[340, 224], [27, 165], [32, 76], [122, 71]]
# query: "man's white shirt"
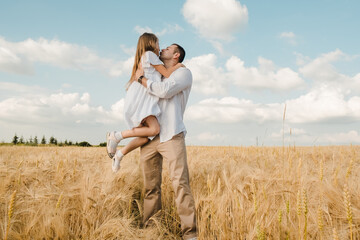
[[173, 93]]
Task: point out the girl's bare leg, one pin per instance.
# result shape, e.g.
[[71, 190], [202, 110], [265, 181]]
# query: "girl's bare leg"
[[150, 127], [133, 144]]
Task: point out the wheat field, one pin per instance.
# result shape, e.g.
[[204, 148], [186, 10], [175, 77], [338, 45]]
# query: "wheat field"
[[240, 193]]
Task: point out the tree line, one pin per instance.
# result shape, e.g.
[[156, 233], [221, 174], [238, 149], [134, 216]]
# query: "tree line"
[[52, 141]]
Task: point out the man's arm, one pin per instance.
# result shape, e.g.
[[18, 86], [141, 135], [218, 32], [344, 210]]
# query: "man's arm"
[[176, 83]]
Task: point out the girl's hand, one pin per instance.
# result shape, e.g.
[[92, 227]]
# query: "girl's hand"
[[180, 65]]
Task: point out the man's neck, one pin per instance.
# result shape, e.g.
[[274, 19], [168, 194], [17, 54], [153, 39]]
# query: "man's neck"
[[169, 63]]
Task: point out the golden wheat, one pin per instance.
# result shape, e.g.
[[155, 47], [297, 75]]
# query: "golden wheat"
[[240, 193], [349, 214], [10, 213]]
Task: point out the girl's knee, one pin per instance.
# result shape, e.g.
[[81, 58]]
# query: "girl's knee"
[[153, 125], [156, 130]]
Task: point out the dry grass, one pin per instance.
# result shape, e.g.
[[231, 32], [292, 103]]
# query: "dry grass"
[[240, 193]]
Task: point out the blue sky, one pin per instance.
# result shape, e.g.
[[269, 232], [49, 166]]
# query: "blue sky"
[[64, 65]]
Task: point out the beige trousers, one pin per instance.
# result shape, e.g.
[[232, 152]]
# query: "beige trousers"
[[174, 153]]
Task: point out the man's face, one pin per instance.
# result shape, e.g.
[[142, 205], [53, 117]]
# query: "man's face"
[[167, 53]]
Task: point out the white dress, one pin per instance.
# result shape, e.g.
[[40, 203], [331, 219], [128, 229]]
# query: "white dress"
[[139, 104]]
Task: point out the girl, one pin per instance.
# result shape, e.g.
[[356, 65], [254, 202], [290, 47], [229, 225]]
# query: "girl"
[[141, 109]]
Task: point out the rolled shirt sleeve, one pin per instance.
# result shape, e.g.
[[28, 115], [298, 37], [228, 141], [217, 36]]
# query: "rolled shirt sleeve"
[[177, 82]]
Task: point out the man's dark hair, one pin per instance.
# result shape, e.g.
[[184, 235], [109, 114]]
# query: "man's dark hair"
[[180, 50]]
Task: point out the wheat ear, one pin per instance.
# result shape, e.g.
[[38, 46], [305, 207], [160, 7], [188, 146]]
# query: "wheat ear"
[[305, 209], [349, 214], [10, 213]]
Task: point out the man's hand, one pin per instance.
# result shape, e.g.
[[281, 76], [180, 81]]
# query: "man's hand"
[[139, 72]]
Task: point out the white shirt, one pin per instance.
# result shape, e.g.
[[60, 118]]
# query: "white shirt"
[[173, 93]]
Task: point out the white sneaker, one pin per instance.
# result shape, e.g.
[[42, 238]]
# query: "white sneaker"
[[111, 144], [116, 163], [194, 238]]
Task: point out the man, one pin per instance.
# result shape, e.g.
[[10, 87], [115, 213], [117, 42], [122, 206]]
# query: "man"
[[170, 143]]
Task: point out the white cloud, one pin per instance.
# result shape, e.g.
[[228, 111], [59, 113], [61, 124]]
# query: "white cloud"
[[350, 137], [117, 109], [322, 71], [61, 108], [289, 37], [208, 136], [232, 110], [341, 138], [10, 62], [128, 50], [218, 46], [288, 132], [19, 57], [301, 59], [266, 76], [140, 30], [318, 105], [66, 85], [7, 87], [207, 78], [211, 79], [122, 67], [85, 98], [216, 19], [169, 28], [321, 105]]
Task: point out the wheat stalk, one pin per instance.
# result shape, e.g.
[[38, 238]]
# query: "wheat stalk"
[[260, 233], [321, 170], [320, 221], [299, 209], [255, 199], [348, 172], [349, 214], [280, 220], [288, 207], [335, 176], [299, 168], [59, 201], [335, 234], [305, 209], [19, 165], [10, 213]]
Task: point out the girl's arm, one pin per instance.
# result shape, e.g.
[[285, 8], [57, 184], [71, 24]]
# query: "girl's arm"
[[166, 72]]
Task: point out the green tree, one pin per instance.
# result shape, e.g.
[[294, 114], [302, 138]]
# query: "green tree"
[[21, 141], [15, 139], [36, 141], [52, 140], [43, 140], [84, 144]]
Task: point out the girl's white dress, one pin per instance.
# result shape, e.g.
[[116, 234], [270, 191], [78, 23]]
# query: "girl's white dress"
[[139, 104]]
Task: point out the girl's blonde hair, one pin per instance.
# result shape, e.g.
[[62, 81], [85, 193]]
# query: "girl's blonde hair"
[[146, 42]]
